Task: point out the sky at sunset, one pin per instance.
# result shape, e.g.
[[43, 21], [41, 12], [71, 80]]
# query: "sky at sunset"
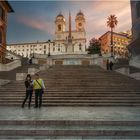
[[34, 20]]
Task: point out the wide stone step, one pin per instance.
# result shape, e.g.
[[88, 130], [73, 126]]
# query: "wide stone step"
[[12, 91], [95, 86], [69, 89], [78, 101], [6, 98], [46, 97], [70, 122], [46, 104], [82, 86], [98, 82], [70, 137], [68, 128], [70, 132], [68, 81], [81, 81], [74, 96], [86, 89]]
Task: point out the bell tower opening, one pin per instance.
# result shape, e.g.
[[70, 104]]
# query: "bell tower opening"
[[59, 27]]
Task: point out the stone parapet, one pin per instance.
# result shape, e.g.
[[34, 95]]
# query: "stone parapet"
[[4, 82], [10, 66], [33, 71], [20, 76]]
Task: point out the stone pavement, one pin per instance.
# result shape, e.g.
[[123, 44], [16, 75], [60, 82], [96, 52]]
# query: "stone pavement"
[[33, 124], [71, 113]]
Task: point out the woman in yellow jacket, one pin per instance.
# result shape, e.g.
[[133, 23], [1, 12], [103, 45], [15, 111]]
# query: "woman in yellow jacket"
[[38, 85]]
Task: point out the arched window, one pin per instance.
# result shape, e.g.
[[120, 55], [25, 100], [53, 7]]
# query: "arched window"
[[59, 27], [44, 47], [58, 47], [138, 8], [53, 48], [80, 46]]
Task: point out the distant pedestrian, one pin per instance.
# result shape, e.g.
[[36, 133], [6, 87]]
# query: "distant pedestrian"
[[39, 87], [111, 65], [29, 90], [107, 64]]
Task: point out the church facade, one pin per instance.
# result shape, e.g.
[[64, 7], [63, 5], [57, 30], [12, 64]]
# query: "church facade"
[[71, 41]]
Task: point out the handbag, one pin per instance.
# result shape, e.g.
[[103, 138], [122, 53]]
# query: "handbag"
[[42, 90]]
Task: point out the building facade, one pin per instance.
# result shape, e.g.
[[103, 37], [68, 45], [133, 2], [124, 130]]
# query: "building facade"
[[134, 47], [71, 41], [120, 42], [29, 49], [65, 42], [135, 14], [5, 8]]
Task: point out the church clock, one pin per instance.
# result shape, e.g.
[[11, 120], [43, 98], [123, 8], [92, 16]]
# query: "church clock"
[[80, 24]]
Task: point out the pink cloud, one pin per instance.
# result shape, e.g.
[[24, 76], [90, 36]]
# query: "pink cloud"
[[96, 16], [37, 24], [97, 13]]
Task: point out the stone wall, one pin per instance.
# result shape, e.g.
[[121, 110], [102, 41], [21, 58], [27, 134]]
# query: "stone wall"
[[10, 66], [4, 82], [71, 59], [135, 62]]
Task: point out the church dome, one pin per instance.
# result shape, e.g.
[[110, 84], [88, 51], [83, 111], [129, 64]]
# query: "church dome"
[[60, 17], [80, 14]]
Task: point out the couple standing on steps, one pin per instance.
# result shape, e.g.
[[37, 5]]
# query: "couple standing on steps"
[[109, 65], [37, 86]]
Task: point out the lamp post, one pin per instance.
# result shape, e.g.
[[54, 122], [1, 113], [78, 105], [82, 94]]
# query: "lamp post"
[[33, 51], [49, 41]]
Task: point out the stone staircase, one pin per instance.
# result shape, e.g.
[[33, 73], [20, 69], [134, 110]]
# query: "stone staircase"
[[72, 86], [78, 86], [121, 62], [65, 129]]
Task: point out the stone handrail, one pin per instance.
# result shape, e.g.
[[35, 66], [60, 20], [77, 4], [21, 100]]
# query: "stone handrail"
[[10, 66]]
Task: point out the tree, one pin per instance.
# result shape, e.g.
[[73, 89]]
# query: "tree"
[[94, 46], [112, 22]]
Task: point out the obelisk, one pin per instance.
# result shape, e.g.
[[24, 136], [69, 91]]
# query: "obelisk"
[[69, 45]]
